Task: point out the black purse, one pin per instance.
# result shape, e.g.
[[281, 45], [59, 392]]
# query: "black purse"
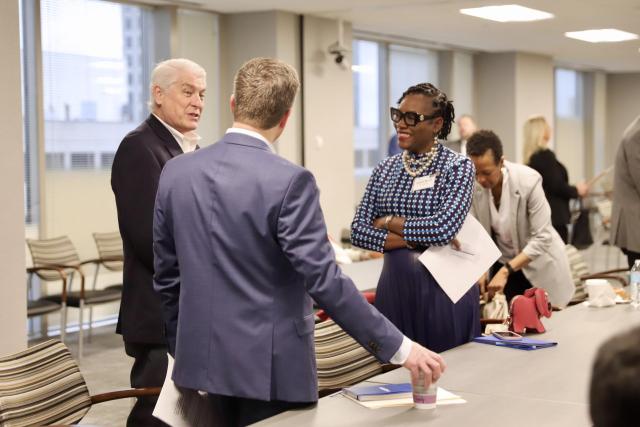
[[581, 236]]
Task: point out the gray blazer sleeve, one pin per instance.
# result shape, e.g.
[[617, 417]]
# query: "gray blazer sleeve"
[[539, 216]]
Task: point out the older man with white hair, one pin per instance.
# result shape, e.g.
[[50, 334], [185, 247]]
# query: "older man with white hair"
[[177, 98]]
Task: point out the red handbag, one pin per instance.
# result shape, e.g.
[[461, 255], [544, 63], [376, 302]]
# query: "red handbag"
[[526, 310]]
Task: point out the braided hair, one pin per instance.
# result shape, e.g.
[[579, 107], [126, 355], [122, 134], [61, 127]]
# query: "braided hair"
[[440, 102]]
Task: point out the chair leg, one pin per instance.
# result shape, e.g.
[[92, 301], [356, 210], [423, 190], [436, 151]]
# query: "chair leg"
[[63, 322], [81, 331], [93, 288], [90, 323]]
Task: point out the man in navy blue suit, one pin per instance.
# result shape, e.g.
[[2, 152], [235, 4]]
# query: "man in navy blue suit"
[[240, 245]]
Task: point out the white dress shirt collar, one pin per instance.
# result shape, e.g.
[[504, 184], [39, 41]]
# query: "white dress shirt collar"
[[187, 141], [254, 135]]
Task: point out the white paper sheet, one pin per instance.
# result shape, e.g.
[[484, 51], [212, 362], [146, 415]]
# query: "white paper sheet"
[[182, 407], [457, 270], [444, 397]]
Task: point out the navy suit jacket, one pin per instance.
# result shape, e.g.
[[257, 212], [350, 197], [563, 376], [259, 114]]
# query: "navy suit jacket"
[[134, 179], [240, 243]]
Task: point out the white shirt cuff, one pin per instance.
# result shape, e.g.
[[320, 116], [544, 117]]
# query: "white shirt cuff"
[[403, 352]]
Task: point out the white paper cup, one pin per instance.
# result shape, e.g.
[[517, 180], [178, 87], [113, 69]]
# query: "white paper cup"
[[425, 399]]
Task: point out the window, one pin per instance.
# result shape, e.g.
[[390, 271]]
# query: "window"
[[568, 136], [568, 93], [409, 66], [381, 73], [366, 79]]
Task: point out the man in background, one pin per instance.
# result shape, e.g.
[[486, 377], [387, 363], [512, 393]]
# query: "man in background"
[[177, 98], [240, 243], [466, 127], [625, 214]]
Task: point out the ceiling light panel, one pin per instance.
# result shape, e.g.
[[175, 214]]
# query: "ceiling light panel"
[[606, 35], [507, 13]]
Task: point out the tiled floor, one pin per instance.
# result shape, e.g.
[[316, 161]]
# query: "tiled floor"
[[106, 367]]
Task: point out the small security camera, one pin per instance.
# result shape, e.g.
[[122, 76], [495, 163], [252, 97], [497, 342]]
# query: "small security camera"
[[339, 52]]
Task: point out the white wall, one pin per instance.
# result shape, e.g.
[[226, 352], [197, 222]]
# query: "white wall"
[[510, 87], [534, 92], [196, 37], [623, 106], [13, 296], [329, 121], [248, 35], [495, 102]]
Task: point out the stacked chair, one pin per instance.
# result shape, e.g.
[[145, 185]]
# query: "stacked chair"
[[43, 305], [57, 259]]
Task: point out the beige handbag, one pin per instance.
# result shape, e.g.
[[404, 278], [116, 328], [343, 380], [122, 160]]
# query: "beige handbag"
[[497, 308]]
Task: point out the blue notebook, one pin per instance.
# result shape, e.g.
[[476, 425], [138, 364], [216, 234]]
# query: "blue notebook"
[[521, 344], [379, 391]]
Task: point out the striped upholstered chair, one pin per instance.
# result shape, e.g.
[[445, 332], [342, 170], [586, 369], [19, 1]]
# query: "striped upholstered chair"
[[59, 252], [43, 386], [580, 273], [110, 252]]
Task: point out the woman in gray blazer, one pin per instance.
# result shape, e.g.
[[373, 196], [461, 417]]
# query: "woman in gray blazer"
[[509, 202]]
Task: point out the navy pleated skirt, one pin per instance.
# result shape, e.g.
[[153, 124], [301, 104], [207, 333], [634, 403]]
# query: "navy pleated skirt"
[[411, 299]]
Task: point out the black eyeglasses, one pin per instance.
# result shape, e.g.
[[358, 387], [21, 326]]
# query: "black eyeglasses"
[[411, 118]]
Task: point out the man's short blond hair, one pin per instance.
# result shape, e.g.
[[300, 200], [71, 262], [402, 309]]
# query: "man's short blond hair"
[[264, 90]]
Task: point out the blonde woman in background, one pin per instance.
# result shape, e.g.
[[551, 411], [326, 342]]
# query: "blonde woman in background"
[[555, 179]]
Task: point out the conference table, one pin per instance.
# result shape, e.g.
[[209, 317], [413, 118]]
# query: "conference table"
[[502, 386], [365, 274]]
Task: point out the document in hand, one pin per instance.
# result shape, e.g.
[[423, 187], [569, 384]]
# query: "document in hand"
[[379, 391], [521, 344], [457, 270], [179, 407]]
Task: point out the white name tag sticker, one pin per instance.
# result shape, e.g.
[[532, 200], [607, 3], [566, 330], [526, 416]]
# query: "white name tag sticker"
[[423, 182]]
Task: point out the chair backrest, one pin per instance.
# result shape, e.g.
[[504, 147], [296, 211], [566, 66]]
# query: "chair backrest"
[[341, 361], [578, 268], [110, 246], [42, 386], [55, 251]]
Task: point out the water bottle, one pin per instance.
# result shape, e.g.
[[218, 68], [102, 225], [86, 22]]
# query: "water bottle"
[[634, 283]]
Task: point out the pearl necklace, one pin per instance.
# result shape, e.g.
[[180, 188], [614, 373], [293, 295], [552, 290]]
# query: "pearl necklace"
[[421, 164]]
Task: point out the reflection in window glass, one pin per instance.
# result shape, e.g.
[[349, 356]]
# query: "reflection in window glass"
[[91, 53], [381, 72]]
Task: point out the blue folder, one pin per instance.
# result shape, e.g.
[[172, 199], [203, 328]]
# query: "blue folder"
[[521, 344]]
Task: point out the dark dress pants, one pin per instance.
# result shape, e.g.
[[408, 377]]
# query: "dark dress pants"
[[149, 370], [563, 231], [517, 283], [239, 412]]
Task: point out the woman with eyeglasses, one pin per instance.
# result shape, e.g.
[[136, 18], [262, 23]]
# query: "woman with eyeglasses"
[[416, 199]]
